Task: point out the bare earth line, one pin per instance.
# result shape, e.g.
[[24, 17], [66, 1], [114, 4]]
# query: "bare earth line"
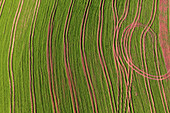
[[12, 49], [120, 21], [143, 35], [83, 58], [51, 62], [67, 22], [123, 68], [32, 93], [2, 7], [114, 9], [129, 62], [159, 73], [48, 67], [11, 78], [139, 71], [102, 59], [69, 67]]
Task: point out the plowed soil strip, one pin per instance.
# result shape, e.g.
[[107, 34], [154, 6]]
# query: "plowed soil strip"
[[10, 57], [84, 60], [31, 63], [66, 59]]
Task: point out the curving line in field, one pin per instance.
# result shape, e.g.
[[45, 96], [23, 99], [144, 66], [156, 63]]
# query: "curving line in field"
[[31, 59], [139, 71], [10, 57], [159, 73], [143, 56], [84, 60], [2, 6], [134, 67], [50, 62], [66, 59], [102, 59], [115, 49], [115, 15]]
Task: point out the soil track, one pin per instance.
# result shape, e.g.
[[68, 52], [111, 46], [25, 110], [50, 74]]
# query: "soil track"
[[84, 60], [2, 6], [66, 60], [10, 57], [31, 59], [102, 59], [50, 62]]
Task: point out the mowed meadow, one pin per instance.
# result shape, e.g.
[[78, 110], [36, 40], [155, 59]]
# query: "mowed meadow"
[[84, 56]]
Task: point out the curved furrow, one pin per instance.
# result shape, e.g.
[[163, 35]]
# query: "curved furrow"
[[31, 63], [144, 34], [116, 19], [69, 68], [149, 93], [139, 71], [12, 50], [51, 62], [2, 6], [84, 60], [66, 58], [10, 58], [164, 95], [48, 67], [143, 56], [102, 59], [159, 73], [130, 99], [145, 81], [114, 53], [135, 68], [116, 49]]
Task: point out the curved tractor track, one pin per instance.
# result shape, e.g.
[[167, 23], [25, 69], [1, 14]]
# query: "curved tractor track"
[[121, 64]]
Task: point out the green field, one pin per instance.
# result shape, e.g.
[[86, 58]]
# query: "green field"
[[83, 56]]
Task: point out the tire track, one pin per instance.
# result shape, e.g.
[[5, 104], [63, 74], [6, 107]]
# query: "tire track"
[[84, 60], [2, 6], [115, 15], [31, 59], [143, 57], [10, 57], [159, 73], [66, 60], [50, 62], [115, 49], [102, 59], [129, 62]]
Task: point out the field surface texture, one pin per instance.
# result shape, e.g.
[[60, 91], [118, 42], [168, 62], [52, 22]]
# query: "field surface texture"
[[84, 56]]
